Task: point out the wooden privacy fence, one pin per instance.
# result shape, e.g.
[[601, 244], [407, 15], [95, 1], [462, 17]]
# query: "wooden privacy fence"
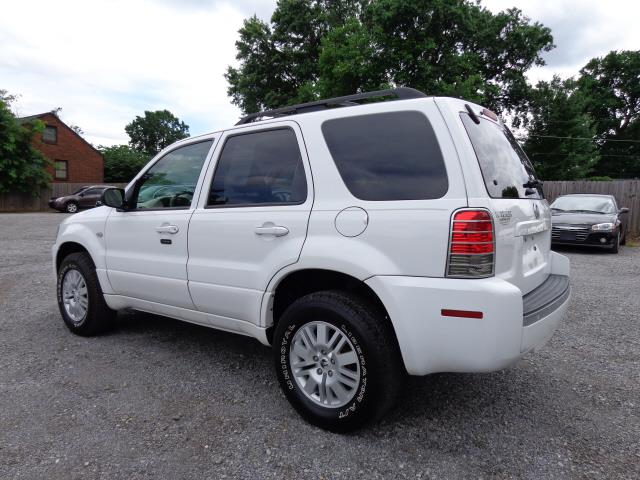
[[626, 192], [26, 202]]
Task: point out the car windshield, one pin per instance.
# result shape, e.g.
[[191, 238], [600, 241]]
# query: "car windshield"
[[583, 204], [78, 191]]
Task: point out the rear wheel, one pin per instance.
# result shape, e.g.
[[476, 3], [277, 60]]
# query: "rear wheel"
[[71, 207], [80, 297], [336, 360]]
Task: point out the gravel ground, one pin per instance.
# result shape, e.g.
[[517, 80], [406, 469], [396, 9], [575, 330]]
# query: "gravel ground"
[[158, 398]]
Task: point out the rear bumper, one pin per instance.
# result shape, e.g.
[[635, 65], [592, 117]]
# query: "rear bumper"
[[430, 342]]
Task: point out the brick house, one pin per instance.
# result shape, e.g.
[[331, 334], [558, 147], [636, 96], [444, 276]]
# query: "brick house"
[[74, 159]]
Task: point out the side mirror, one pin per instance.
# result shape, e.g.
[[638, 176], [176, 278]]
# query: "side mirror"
[[113, 197], [623, 210]]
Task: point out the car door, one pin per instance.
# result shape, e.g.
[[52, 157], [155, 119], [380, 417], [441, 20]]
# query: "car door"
[[89, 197], [146, 245], [251, 220]]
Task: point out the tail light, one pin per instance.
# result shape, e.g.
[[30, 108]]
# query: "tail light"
[[471, 245]]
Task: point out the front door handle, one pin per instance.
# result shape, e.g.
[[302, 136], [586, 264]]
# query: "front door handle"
[[167, 229], [271, 229]]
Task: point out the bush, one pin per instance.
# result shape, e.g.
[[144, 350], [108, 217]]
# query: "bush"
[[22, 167]]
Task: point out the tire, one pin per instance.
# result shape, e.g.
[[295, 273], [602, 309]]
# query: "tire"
[[86, 313], [364, 348], [615, 246], [71, 207]]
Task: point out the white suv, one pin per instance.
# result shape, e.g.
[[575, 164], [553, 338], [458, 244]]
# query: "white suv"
[[362, 240]]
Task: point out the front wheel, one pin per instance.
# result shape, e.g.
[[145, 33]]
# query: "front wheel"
[[71, 207], [80, 297], [337, 360], [616, 244]]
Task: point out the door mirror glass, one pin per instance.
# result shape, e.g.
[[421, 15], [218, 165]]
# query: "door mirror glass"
[[113, 197]]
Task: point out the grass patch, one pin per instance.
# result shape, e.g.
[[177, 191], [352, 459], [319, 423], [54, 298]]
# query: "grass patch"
[[633, 242]]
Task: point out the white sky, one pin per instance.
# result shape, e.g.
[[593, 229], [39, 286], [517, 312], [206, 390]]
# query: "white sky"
[[106, 61]]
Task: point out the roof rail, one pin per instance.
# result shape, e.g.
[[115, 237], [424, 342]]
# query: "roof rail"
[[402, 93]]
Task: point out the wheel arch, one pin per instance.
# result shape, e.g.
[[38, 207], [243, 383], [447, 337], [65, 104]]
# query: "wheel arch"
[[298, 283], [67, 248]]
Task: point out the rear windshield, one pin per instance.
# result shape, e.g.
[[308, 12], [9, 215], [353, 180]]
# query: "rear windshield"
[[387, 156], [505, 167]]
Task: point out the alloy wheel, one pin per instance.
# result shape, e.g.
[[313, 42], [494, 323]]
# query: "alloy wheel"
[[75, 295], [324, 364]]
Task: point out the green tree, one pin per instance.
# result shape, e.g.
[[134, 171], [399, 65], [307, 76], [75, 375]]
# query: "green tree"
[[314, 48], [122, 163], [22, 167], [155, 131], [561, 137], [611, 86]]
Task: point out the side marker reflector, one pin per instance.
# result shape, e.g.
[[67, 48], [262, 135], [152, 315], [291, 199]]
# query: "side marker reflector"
[[445, 312]]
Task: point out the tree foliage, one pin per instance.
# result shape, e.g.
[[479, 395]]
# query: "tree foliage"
[[320, 48], [155, 130], [590, 126], [122, 163], [561, 134], [611, 86], [22, 166]]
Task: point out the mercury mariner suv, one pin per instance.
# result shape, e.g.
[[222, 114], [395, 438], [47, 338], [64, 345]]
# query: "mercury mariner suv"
[[363, 238]]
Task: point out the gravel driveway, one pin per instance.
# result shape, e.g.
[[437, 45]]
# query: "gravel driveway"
[[162, 399]]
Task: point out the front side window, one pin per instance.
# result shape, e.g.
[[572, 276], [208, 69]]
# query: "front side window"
[[171, 181], [505, 167], [61, 168], [50, 134], [259, 168], [387, 156]]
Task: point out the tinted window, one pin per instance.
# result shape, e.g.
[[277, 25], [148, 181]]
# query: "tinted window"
[[259, 168], [505, 167], [171, 181], [387, 156]]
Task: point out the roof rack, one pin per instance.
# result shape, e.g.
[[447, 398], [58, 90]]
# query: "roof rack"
[[402, 93]]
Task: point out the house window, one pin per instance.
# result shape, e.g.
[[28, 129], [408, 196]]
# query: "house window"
[[61, 168], [50, 134]]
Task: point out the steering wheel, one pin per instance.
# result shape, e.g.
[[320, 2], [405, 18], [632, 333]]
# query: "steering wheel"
[[177, 198]]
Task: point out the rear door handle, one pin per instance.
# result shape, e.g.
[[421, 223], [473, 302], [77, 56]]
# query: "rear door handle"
[[167, 229], [275, 230]]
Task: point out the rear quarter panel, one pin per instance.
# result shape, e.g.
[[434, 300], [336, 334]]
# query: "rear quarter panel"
[[407, 237]]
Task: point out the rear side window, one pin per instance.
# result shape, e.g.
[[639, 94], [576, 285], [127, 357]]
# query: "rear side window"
[[259, 168], [387, 156], [505, 167]]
